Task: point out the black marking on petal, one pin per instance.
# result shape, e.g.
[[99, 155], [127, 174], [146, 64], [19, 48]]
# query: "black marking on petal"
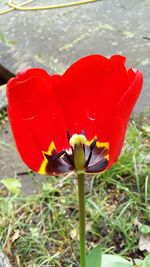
[[57, 167], [47, 156], [100, 166], [97, 154]]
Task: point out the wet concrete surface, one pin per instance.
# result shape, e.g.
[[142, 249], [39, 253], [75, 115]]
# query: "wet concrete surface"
[[12, 166], [53, 39]]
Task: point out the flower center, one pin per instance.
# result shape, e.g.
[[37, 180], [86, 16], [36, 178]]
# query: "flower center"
[[84, 155]]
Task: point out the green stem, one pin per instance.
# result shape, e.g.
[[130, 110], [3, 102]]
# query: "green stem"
[[81, 192]]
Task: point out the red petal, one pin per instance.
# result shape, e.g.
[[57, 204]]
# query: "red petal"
[[36, 119], [123, 111], [95, 94]]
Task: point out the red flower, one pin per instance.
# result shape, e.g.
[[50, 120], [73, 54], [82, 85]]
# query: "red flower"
[[95, 95]]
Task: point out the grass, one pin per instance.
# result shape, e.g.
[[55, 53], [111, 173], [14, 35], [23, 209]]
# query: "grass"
[[45, 225]]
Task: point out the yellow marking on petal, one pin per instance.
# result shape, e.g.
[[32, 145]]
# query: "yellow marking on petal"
[[106, 146], [45, 161], [107, 157], [91, 141], [102, 144], [98, 144]]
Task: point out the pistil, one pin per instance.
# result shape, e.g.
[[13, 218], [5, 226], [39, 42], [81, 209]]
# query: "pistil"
[[77, 142]]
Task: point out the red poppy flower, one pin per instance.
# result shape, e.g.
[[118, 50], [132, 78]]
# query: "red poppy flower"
[[85, 110]]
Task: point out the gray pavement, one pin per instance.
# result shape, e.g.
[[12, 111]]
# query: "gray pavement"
[[53, 39]]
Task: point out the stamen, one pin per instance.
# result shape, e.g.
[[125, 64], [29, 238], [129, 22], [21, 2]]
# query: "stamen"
[[68, 135], [59, 155], [91, 150], [69, 158], [66, 154], [83, 132], [93, 144]]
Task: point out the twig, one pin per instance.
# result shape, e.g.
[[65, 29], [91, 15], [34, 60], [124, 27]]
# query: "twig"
[[19, 7], [12, 8]]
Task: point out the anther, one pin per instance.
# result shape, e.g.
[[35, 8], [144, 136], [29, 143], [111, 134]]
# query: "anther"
[[68, 135], [93, 144], [83, 132], [69, 158]]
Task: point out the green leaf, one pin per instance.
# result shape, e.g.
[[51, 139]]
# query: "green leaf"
[[93, 259], [143, 263], [114, 261], [139, 262], [13, 185], [144, 229], [147, 261], [47, 187]]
